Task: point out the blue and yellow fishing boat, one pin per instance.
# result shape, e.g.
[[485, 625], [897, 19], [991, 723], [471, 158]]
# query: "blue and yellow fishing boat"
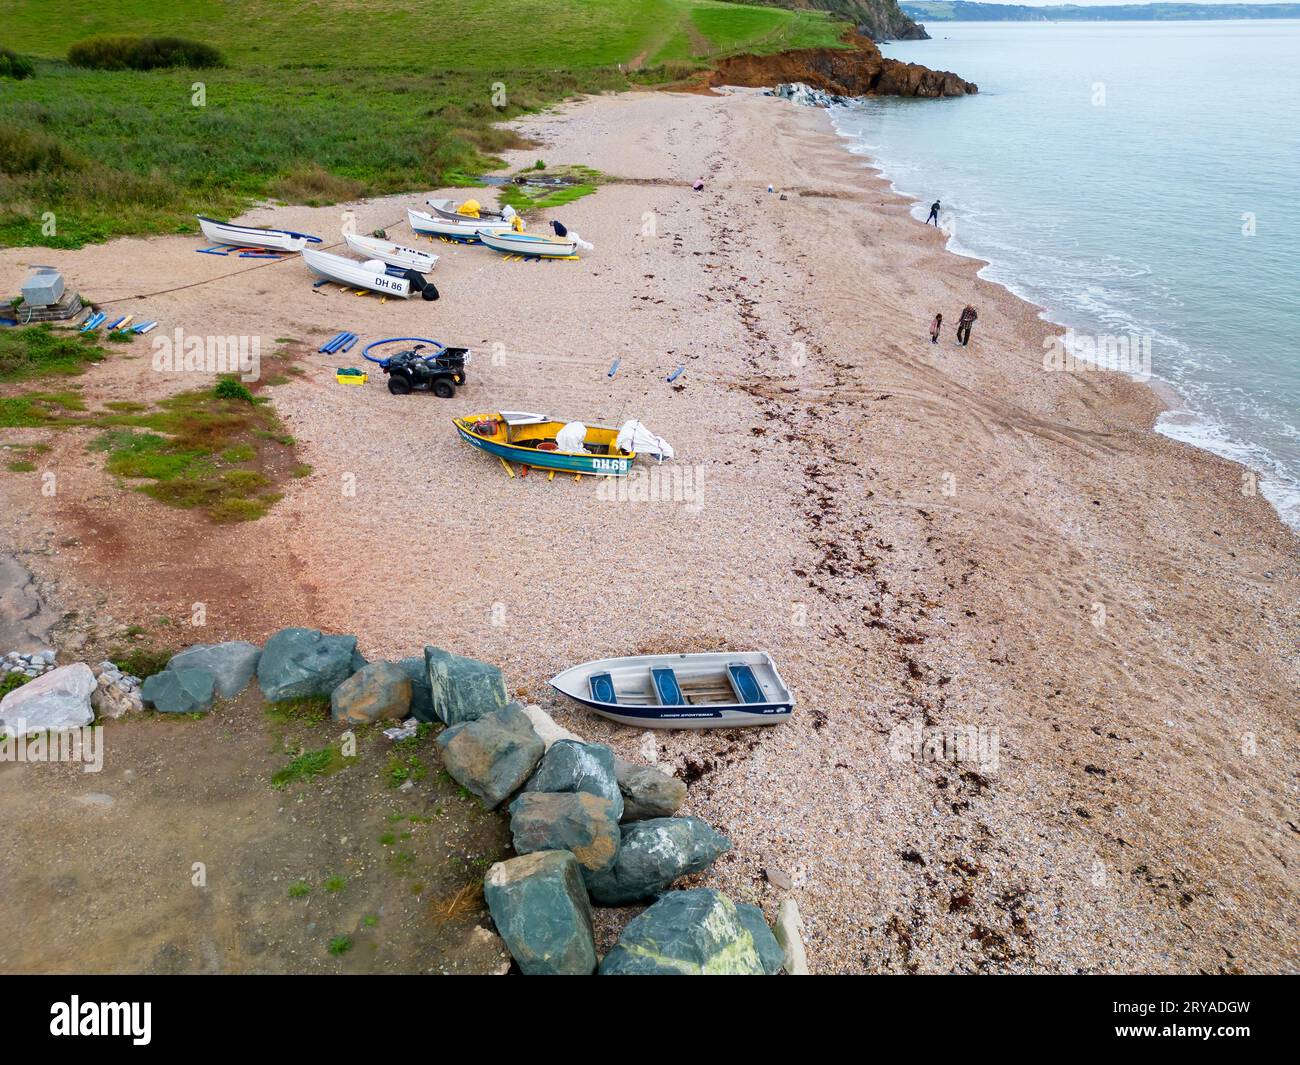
[[544, 443]]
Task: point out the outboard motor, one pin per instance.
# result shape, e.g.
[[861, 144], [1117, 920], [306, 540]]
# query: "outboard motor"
[[425, 288]]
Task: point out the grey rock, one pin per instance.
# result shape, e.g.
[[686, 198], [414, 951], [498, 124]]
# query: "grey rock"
[[303, 663], [540, 907], [25, 619], [648, 792], [57, 700], [462, 689], [421, 693], [180, 691], [569, 765], [652, 855], [685, 933], [491, 756], [578, 822], [377, 692], [769, 950], [233, 664]]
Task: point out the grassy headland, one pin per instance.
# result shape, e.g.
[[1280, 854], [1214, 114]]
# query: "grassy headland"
[[318, 102]]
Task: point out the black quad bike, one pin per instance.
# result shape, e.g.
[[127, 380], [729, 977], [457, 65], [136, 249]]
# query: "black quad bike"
[[439, 372]]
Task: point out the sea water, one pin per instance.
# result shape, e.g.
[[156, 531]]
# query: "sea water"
[[1138, 180]]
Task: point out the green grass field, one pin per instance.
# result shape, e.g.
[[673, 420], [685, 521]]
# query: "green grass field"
[[320, 101]]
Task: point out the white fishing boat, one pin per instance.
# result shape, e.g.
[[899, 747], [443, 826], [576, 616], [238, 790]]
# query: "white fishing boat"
[[716, 689], [466, 229], [530, 244], [453, 210], [375, 275], [254, 236], [392, 254]]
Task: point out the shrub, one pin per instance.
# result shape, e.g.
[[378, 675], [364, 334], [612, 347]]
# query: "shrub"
[[228, 388], [29, 151], [142, 53], [13, 65]]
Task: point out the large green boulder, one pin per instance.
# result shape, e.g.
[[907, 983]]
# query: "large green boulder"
[[303, 663], [769, 950], [585, 824], [421, 695], [180, 691], [462, 689], [233, 664], [569, 765], [648, 792], [539, 905], [651, 855], [492, 756], [685, 933], [376, 692]]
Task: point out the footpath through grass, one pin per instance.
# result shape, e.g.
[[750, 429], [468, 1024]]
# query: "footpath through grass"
[[321, 101]]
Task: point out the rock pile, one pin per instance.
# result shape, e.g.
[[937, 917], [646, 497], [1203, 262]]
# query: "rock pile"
[[116, 693], [28, 665], [798, 92]]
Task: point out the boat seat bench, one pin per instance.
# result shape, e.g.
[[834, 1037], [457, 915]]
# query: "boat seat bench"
[[602, 688], [668, 691], [745, 684]]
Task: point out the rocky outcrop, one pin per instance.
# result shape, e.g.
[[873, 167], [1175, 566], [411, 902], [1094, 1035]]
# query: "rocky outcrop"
[[881, 20], [859, 70]]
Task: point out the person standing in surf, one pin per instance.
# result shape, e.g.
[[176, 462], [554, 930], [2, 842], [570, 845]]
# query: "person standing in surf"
[[934, 214], [967, 320]]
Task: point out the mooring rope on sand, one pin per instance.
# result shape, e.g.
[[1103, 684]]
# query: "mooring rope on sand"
[[222, 277]]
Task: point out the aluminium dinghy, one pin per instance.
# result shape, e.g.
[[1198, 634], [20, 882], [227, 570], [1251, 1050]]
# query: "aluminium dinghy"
[[254, 236], [392, 254], [716, 689], [533, 245]]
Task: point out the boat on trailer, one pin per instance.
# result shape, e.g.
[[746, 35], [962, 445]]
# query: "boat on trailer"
[[533, 245], [451, 209], [716, 689], [464, 229], [392, 254], [254, 236], [375, 275]]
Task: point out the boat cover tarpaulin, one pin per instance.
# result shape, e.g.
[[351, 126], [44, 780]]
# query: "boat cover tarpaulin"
[[633, 436], [571, 437]]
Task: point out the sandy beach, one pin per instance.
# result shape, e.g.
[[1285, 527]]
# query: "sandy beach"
[[930, 540]]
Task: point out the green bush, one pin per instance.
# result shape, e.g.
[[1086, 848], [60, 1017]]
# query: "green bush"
[[13, 65], [229, 388], [142, 53]]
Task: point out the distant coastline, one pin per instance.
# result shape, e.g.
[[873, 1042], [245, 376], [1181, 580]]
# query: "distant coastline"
[[967, 11]]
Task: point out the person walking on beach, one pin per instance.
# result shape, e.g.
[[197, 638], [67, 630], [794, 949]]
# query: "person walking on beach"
[[934, 214], [967, 320], [935, 326]]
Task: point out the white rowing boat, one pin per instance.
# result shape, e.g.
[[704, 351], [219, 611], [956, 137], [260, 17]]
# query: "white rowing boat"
[[531, 244], [716, 689], [467, 229], [452, 210], [392, 254], [375, 275], [254, 236]]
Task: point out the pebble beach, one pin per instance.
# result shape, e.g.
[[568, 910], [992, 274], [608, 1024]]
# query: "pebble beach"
[[934, 542]]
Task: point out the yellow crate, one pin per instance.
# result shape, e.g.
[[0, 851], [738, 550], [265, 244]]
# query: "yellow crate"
[[351, 378]]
